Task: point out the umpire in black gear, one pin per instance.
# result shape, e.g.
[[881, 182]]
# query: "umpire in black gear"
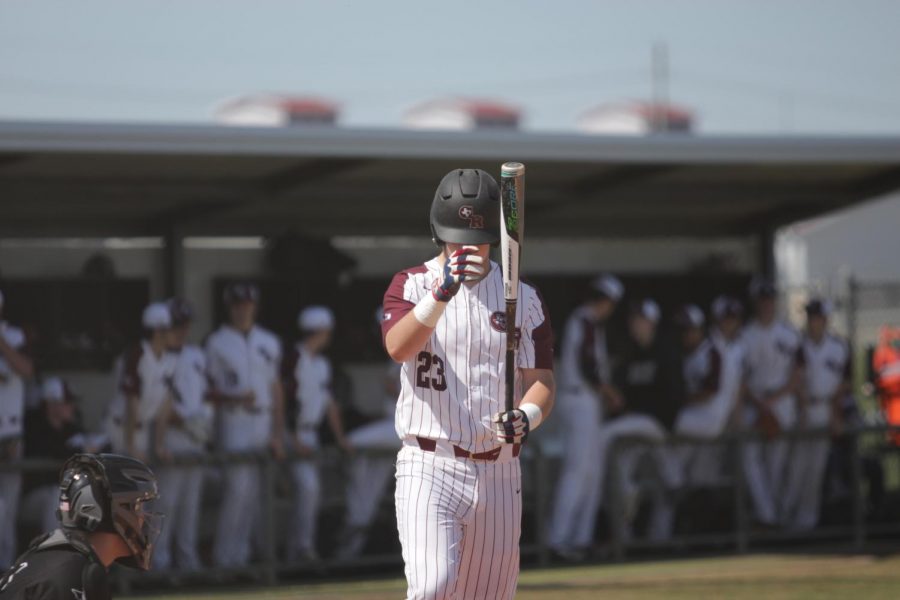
[[104, 519], [466, 209]]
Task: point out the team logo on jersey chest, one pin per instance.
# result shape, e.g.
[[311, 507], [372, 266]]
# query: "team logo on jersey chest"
[[498, 323]]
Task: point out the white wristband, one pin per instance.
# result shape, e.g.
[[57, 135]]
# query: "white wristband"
[[428, 311], [534, 414]]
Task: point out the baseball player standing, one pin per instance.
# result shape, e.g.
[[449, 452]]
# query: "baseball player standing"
[[726, 334], [773, 378], [243, 365], [711, 384], [308, 383], [143, 386], [458, 499], [826, 361], [585, 377], [183, 428], [15, 368]]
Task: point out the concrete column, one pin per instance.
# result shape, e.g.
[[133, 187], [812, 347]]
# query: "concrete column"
[[173, 262], [766, 241]]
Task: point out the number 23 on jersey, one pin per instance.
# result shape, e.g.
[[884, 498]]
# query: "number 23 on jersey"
[[425, 363]]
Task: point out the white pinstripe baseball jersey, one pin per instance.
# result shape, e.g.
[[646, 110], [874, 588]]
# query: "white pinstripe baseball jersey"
[[12, 387], [146, 376], [141, 374], [189, 387], [702, 369], [455, 385], [770, 355], [308, 381], [827, 366], [584, 359], [237, 364]]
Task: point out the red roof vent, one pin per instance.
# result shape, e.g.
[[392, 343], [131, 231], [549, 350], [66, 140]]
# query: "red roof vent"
[[636, 118], [277, 110], [463, 114]]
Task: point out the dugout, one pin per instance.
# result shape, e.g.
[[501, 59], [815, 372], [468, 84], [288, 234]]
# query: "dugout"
[[178, 209]]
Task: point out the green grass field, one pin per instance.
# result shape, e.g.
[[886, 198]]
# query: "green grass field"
[[766, 576]]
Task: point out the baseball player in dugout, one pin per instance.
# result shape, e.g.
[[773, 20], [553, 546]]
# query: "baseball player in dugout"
[[143, 385], [458, 493], [711, 385], [774, 376], [103, 519], [826, 385], [648, 376], [586, 378], [308, 382], [15, 369], [243, 361], [183, 429]]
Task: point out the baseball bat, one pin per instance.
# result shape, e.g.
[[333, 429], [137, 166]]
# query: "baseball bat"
[[512, 204]]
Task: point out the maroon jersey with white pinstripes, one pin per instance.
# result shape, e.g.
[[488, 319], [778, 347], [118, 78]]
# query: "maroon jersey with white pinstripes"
[[455, 385]]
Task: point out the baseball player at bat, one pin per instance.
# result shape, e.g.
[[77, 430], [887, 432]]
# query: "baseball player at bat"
[[458, 493]]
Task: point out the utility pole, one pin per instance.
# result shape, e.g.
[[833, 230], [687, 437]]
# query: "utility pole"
[[659, 84]]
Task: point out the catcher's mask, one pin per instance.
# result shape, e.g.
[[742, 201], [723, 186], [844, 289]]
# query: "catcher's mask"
[[109, 492]]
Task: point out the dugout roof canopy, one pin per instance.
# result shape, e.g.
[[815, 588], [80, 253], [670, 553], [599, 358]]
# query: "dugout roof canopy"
[[87, 179]]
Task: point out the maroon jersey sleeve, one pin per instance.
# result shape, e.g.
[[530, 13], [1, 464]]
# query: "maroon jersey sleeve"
[[800, 356], [289, 374], [711, 382], [130, 383], [395, 304], [587, 353], [542, 336]]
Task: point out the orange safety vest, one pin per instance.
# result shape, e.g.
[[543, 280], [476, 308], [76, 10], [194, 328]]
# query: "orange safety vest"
[[886, 364]]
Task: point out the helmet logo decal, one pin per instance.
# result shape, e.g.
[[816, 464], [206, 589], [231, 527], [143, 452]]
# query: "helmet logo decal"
[[467, 213]]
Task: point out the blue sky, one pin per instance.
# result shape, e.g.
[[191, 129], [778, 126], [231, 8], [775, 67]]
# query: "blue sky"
[[765, 66]]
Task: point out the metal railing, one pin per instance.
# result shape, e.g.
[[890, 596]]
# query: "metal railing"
[[269, 567], [743, 536]]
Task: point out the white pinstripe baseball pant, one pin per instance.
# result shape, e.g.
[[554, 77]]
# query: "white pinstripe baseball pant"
[[459, 522]]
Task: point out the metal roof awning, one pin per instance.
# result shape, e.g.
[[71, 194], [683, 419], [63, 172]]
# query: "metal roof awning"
[[111, 179]]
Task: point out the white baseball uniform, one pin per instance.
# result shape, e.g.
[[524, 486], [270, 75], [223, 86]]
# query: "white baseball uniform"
[[144, 375], [713, 368], [368, 474], [239, 363], [181, 486], [770, 359], [459, 506], [12, 410], [584, 364], [732, 353], [309, 383], [827, 366]]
